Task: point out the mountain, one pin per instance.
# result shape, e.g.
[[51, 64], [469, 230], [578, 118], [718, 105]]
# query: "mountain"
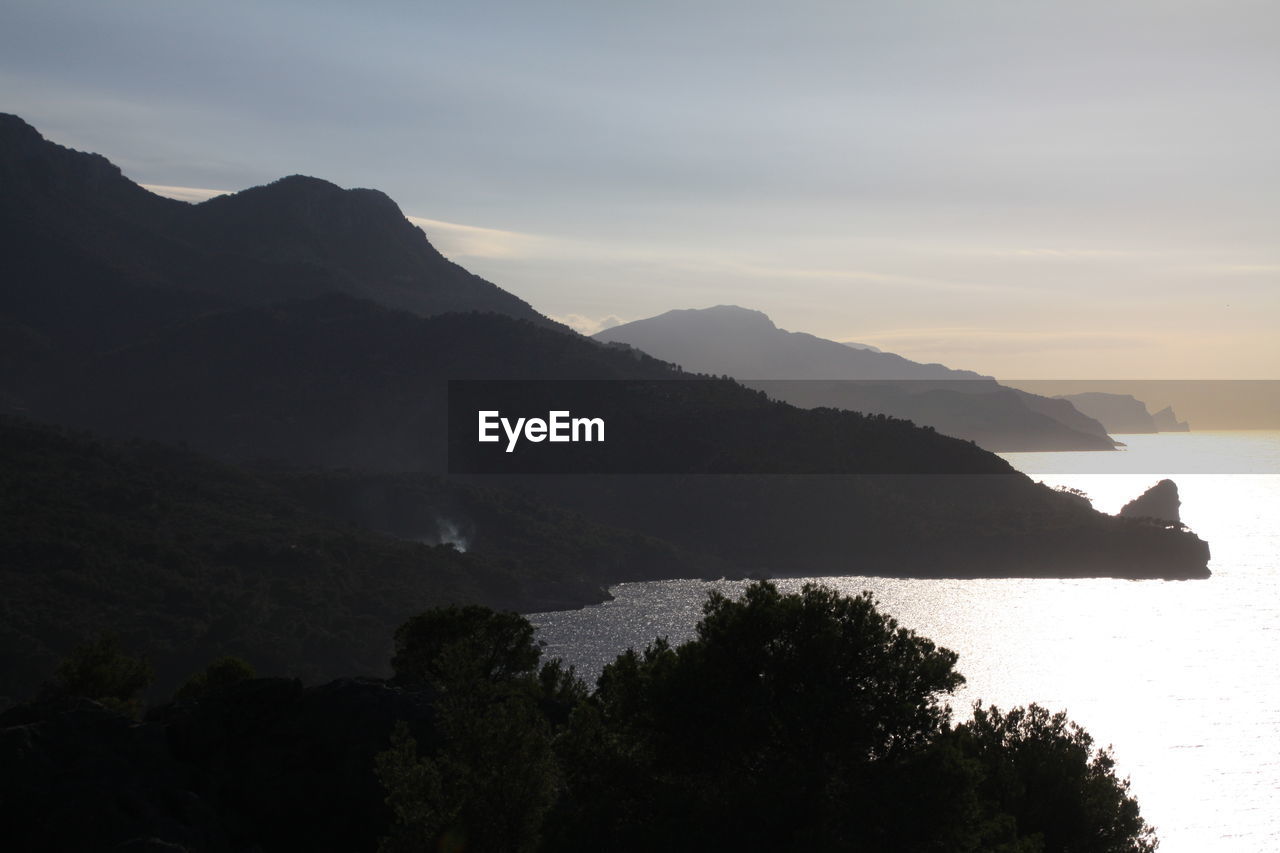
[[342, 383], [1124, 413], [272, 343], [71, 220], [739, 342], [304, 572], [810, 371], [1166, 421]]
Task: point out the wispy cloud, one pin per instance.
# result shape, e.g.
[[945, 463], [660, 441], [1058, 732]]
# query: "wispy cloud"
[[458, 241], [588, 325], [1246, 269], [472, 241], [1046, 253], [1008, 342], [191, 194], [781, 272]]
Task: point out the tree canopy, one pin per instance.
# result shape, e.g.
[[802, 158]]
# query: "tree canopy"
[[790, 721]]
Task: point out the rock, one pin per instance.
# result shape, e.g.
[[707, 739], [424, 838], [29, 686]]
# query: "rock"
[[1166, 421], [1119, 413], [1160, 502]]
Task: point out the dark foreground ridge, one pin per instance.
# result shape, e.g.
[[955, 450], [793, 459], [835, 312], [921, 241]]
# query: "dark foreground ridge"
[[187, 559], [808, 721]]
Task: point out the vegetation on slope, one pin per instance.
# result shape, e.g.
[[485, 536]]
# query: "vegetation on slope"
[[809, 721]]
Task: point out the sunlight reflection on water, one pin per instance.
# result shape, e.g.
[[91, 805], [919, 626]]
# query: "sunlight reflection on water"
[[1180, 676]]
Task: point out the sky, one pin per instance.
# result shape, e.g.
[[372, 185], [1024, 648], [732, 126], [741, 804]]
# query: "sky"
[[1028, 189]]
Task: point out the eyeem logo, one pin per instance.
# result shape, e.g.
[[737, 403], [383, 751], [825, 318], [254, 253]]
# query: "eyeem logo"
[[558, 426]]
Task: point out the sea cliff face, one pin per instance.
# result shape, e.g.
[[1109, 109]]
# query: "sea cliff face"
[[1126, 414]]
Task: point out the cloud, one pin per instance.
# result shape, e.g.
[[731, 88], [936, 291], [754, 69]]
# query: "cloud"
[[1045, 253], [458, 241], [1006, 342], [191, 194], [752, 269], [1247, 269], [472, 241], [588, 325]]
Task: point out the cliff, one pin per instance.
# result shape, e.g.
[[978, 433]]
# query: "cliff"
[[1124, 413]]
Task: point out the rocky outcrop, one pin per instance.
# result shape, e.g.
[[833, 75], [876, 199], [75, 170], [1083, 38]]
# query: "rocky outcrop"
[[1119, 413], [1166, 421], [1159, 502], [1125, 414]]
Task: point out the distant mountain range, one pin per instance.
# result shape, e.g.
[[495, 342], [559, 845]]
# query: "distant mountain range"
[[303, 325], [809, 371]]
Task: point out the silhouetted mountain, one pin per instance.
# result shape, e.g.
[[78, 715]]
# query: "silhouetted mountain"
[[810, 371], [745, 344], [72, 219], [1124, 413], [303, 572], [339, 382], [149, 326], [330, 381]]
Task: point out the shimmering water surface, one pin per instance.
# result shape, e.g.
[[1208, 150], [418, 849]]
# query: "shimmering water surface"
[[1182, 677]]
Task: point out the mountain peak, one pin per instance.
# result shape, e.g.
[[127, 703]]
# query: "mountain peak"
[[745, 343], [13, 127], [302, 193], [300, 185], [294, 238], [31, 164], [723, 316]]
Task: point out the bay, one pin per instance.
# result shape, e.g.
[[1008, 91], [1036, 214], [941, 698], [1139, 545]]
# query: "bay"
[[1181, 677]]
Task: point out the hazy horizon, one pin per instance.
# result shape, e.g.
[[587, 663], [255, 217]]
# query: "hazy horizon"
[[1072, 190]]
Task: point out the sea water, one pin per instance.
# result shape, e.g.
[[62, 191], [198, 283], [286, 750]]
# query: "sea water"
[[1181, 677]]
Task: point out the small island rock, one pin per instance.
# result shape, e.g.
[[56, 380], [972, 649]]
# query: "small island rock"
[[1160, 502]]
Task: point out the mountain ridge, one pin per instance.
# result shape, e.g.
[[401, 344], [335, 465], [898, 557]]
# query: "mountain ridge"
[[274, 351], [665, 333], [295, 237], [810, 371]]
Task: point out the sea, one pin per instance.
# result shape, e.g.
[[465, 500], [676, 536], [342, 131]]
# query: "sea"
[[1180, 678]]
